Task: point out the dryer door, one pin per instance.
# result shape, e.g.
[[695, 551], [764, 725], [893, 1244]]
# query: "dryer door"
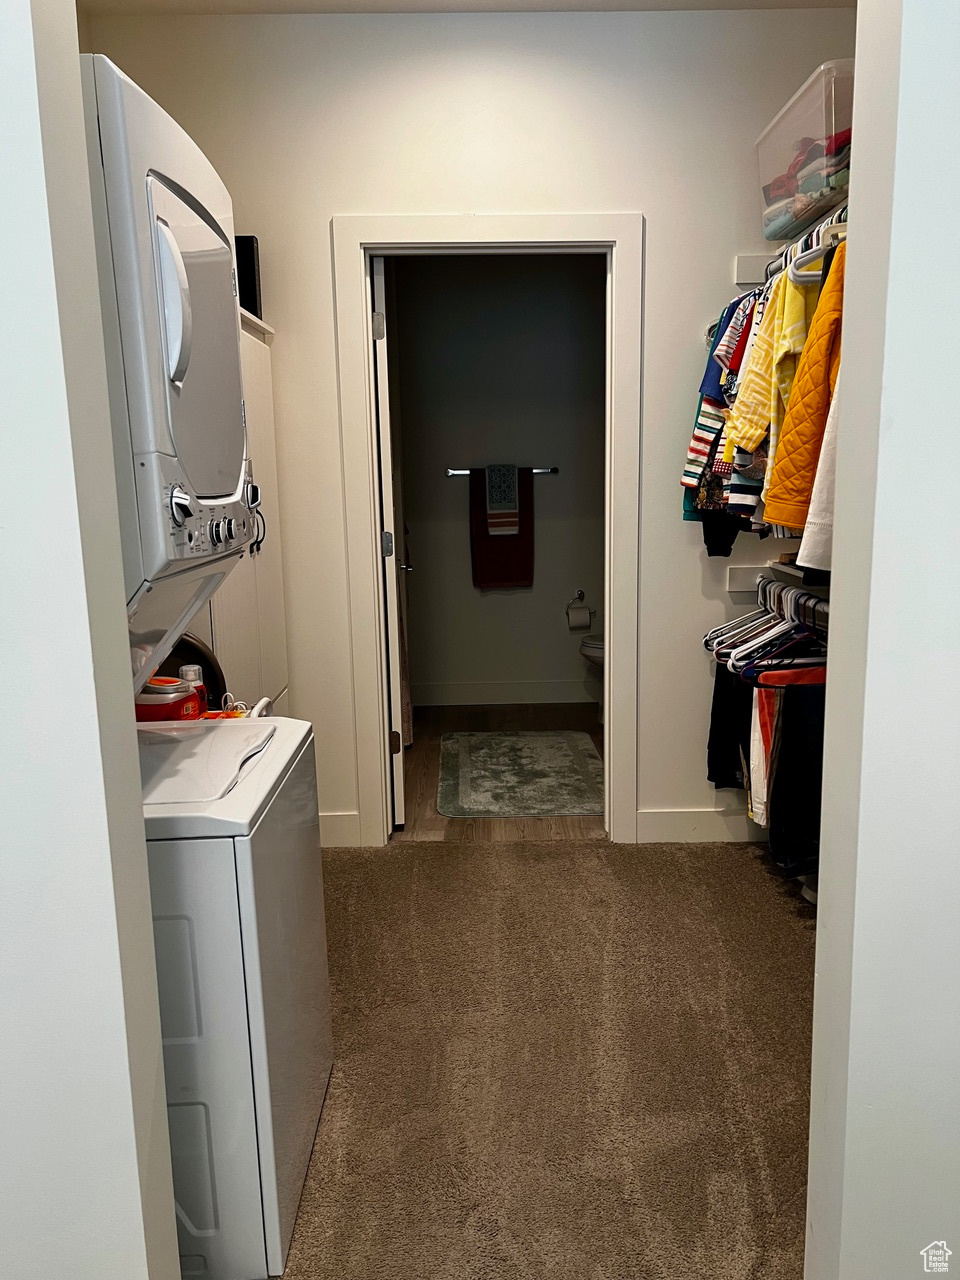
[[201, 343]]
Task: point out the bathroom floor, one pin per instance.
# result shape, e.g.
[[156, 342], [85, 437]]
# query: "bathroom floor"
[[422, 772]]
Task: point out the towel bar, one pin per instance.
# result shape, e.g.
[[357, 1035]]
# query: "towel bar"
[[537, 471]]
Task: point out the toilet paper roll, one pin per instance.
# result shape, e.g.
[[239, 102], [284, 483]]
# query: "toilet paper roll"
[[578, 617]]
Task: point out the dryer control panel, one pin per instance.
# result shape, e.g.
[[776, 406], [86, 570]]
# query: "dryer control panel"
[[186, 528]]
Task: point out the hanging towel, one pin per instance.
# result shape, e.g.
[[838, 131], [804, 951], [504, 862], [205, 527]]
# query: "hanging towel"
[[501, 563], [503, 507]]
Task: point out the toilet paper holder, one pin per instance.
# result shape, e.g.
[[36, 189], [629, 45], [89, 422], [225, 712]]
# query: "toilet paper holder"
[[577, 623]]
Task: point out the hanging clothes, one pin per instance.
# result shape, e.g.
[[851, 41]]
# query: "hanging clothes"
[[766, 664], [794, 467], [750, 416], [796, 789], [711, 415], [729, 737], [816, 548], [799, 308], [767, 383], [738, 325]]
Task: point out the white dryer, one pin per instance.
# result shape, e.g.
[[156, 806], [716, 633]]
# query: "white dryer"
[[165, 254], [237, 890]]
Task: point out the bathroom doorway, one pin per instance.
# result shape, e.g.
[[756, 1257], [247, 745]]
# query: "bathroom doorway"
[[616, 242], [491, 402]]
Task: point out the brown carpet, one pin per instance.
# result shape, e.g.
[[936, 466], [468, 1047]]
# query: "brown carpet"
[[572, 1060]]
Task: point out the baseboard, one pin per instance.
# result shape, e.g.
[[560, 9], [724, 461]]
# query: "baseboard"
[[340, 830], [493, 693], [693, 826]]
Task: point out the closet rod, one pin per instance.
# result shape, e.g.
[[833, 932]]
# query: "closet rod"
[[537, 471]]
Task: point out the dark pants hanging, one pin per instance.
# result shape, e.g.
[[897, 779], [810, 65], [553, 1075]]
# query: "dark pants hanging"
[[729, 742], [797, 786]]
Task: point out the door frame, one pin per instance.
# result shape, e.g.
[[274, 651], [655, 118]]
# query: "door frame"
[[358, 239]]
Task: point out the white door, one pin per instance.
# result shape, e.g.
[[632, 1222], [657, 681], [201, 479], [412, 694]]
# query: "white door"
[[391, 544]]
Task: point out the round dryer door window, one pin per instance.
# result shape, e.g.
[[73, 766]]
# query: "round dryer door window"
[[201, 344]]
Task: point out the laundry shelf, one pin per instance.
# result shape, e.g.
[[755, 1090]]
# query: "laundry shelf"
[[251, 322]]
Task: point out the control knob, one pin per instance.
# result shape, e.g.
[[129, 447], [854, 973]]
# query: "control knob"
[[230, 528], [217, 532], [181, 505]]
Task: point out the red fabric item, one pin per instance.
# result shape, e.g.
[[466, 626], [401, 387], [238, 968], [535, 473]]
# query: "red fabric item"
[[808, 150], [736, 360], [837, 141], [794, 675], [767, 715], [501, 563]]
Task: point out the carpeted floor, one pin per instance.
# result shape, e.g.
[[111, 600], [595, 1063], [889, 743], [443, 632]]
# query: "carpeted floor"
[[579, 1061]]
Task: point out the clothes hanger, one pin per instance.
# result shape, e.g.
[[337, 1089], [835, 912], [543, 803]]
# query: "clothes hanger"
[[752, 626], [727, 627], [801, 649], [752, 673], [758, 646], [752, 641], [831, 235]]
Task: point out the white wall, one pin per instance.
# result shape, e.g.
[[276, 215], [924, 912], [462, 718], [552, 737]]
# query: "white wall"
[[315, 115], [885, 1115], [85, 1184], [501, 359]]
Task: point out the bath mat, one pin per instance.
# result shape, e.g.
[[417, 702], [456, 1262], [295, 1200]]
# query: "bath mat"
[[519, 775]]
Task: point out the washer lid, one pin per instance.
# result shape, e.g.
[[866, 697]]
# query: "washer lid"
[[198, 762]]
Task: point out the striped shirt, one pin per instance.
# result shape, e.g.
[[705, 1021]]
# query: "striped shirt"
[[710, 420]]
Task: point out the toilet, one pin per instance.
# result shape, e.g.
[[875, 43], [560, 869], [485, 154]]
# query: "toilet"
[[592, 649]]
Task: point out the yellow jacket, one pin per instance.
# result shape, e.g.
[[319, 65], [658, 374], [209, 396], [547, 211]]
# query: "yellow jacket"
[[798, 449], [768, 376]]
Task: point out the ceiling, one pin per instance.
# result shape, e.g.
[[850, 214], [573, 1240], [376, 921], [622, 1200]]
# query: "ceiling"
[[439, 6]]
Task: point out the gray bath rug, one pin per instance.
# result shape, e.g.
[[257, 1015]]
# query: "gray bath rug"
[[519, 775]]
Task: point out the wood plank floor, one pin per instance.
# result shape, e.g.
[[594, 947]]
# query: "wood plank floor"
[[422, 773]]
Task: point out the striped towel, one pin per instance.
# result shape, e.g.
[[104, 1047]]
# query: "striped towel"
[[503, 502]]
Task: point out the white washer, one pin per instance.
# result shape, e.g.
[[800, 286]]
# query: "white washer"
[[237, 889]]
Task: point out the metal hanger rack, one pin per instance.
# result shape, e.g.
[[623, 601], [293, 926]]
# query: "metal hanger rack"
[[537, 471]]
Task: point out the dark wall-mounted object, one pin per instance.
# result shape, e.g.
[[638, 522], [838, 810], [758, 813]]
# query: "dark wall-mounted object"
[[248, 274]]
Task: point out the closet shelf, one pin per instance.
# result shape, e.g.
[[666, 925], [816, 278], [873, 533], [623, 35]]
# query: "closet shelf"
[[251, 322]]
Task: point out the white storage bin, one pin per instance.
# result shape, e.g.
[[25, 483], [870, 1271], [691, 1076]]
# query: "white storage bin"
[[804, 154]]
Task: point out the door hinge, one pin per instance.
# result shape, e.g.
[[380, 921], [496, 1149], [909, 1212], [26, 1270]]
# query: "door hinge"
[[233, 274], [379, 326], [395, 743], [386, 543]]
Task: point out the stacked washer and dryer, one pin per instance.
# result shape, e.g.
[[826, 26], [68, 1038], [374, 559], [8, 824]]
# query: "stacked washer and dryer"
[[230, 806]]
